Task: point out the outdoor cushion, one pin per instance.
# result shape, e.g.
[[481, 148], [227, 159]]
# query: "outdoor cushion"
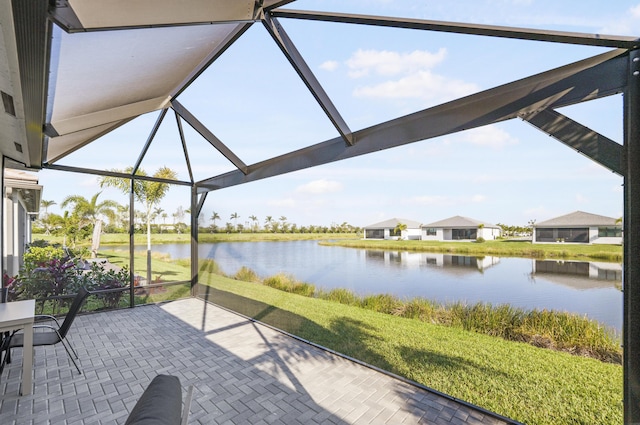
[[160, 403]]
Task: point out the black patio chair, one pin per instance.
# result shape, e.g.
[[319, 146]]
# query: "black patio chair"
[[51, 335]]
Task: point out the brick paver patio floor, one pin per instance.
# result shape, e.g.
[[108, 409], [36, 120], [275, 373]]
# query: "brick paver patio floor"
[[242, 373]]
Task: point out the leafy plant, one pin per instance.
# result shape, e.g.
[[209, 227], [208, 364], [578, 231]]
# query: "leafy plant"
[[99, 279], [49, 280]]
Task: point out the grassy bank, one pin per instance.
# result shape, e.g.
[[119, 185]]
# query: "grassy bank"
[[518, 380], [504, 248]]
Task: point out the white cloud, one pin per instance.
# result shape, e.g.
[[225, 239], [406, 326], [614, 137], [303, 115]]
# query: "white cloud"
[[388, 63], [489, 136], [626, 24], [329, 65], [408, 75], [320, 186], [421, 84]]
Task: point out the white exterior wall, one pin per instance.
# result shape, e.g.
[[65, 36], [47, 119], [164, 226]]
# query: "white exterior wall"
[[489, 233], [17, 231], [412, 234], [439, 236]]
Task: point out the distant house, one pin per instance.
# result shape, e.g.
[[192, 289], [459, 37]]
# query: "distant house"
[[579, 227], [459, 229], [21, 205], [387, 230]]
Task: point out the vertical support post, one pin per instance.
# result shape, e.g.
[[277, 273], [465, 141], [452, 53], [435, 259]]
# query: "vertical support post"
[[131, 246], [195, 214], [2, 229], [631, 262]]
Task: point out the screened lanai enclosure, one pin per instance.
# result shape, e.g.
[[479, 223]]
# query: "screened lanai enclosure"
[[76, 73]]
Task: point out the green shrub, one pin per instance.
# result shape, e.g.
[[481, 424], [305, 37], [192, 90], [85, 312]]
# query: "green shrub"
[[37, 256], [99, 279]]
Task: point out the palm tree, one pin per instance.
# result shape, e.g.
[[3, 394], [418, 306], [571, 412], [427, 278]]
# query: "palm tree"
[[400, 227], [235, 217], [45, 218], [156, 213], [149, 193], [215, 216], [283, 219], [46, 204], [89, 213], [253, 218], [268, 222]]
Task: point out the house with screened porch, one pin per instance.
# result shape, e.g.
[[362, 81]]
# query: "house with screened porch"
[[579, 227]]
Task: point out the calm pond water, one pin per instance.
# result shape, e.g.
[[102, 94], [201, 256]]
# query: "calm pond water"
[[586, 288]]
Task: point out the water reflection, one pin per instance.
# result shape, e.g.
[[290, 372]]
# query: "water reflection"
[[447, 262], [579, 274]]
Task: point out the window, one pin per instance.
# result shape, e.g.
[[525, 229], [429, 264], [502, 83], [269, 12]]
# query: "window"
[[464, 234], [431, 231], [609, 232], [7, 101], [374, 234], [573, 235], [544, 235]]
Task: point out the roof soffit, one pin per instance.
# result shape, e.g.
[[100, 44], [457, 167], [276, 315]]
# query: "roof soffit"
[[123, 74], [98, 14]]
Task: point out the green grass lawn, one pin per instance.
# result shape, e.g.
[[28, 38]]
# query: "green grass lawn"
[[520, 381]]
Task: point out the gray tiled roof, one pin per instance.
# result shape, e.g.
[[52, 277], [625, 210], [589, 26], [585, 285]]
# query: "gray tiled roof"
[[459, 221], [578, 218], [393, 222]]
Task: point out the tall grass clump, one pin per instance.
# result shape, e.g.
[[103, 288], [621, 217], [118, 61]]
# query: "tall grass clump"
[[555, 330], [571, 332], [422, 309], [502, 320], [382, 303], [210, 266], [245, 274], [339, 295], [288, 283]]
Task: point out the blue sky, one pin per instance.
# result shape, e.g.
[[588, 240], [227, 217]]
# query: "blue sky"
[[255, 103]]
